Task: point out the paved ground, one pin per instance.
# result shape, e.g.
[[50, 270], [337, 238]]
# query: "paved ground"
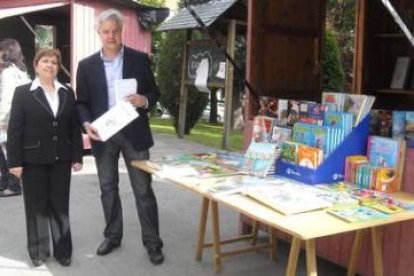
[[178, 211]]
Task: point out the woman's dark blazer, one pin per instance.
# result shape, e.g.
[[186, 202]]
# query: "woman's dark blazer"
[[35, 136]]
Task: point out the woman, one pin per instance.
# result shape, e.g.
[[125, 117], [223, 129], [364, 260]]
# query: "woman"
[[13, 74], [44, 143]]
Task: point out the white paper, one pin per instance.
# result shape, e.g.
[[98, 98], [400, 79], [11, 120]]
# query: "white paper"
[[221, 74], [114, 120], [202, 76], [123, 88]]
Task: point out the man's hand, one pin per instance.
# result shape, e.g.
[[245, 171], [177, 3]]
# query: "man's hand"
[[138, 100], [77, 167], [91, 131], [17, 171]]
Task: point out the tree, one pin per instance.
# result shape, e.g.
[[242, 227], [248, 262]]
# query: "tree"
[[169, 81], [340, 20], [333, 73]]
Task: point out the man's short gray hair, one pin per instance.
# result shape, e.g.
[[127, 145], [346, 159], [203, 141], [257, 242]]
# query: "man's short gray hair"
[[110, 14]]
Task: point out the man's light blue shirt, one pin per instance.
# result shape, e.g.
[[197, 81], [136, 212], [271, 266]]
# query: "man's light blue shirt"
[[113, 71]]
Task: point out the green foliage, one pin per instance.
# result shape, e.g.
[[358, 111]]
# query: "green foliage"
[[333, 73], [169, 81], [340, 20]]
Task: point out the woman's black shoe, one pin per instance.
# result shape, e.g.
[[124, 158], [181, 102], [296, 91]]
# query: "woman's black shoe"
[[64, 261]]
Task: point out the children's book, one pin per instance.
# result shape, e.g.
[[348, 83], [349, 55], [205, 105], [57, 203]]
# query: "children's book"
[[289, 199], [381, 122], [280, 135], [309, 157], [334, 98], [356, 213], [262, 129], [401, 69], [290, 152], [355, 104], [409, 128], [259, 159], [398, 124], [268, 106]]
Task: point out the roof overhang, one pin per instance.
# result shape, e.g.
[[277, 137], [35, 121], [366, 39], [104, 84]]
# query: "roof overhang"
[[10, 12], [208, 12]]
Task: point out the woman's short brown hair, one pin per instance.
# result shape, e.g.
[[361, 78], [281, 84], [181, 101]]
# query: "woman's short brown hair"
[[47, 53]]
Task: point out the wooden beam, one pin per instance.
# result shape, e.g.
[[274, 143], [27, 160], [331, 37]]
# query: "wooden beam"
[[231, 41], [183, 89]]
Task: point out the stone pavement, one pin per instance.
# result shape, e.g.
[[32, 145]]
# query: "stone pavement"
[[178, 212]]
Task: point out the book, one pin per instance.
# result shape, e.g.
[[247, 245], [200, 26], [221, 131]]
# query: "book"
[[409, 128], [399, 76], [262, 129], [309, 157], [268, 106], [356, 213], [355, 104], [381, 122], [334, 98], [398, 124], [259, 159], [280, 135], [289, 199]]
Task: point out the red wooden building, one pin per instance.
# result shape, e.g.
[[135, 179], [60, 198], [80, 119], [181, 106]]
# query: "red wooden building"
[[74, 22]]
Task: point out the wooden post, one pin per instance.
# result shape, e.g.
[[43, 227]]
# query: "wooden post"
[[231, 37], [183, 89], [358, 63]]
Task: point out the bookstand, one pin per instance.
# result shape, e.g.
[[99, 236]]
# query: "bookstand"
[[333, 167]]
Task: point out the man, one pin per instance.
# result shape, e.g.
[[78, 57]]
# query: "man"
[[96, 77]]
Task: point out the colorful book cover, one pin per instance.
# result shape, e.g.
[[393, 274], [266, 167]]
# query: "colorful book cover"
[[293, 116], [309, 157], [316, 111], [290, 152], [356, 213], [280, 135], [383, 151], [409, 129], [268, 106], [302, 133], [398, 124], [282, 112], [334, 98], [355, 104], [381, 122], [262, 129]]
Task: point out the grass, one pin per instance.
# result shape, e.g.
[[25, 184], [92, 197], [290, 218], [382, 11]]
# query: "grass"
[[203, 133]]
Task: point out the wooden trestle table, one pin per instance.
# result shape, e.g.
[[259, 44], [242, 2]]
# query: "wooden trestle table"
[[303, 227]]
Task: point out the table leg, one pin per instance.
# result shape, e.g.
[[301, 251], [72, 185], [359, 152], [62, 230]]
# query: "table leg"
[[311, 258], [376, 235], [356, 249], [216, 236], [202, 228], [293, 257]]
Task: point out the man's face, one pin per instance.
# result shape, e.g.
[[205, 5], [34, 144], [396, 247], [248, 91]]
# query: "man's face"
[[111, 35]]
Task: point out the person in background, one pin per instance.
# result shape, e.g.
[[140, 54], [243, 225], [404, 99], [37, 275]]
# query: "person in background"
[[96, 77], [44, 144], [13, 73]]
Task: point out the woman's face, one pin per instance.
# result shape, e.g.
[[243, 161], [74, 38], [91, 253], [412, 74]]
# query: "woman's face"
[[2, 63], [47, 67]]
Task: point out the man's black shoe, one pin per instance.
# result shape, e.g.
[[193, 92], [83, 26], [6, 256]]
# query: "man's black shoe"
[[155, 255], [64, 261], [36, 262], [107, 246]]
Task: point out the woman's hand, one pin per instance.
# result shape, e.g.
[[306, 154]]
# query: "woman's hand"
[[77, 167], [17, 171]]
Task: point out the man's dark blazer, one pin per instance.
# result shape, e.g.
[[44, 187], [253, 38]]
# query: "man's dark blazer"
[[35, 136], [92, 95]]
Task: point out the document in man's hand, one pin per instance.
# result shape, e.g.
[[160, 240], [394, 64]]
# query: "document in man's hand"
[[125, 87], [114, 120]]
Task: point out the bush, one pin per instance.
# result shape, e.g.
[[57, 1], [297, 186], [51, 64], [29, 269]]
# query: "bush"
[[169, 82], [333, 73]]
